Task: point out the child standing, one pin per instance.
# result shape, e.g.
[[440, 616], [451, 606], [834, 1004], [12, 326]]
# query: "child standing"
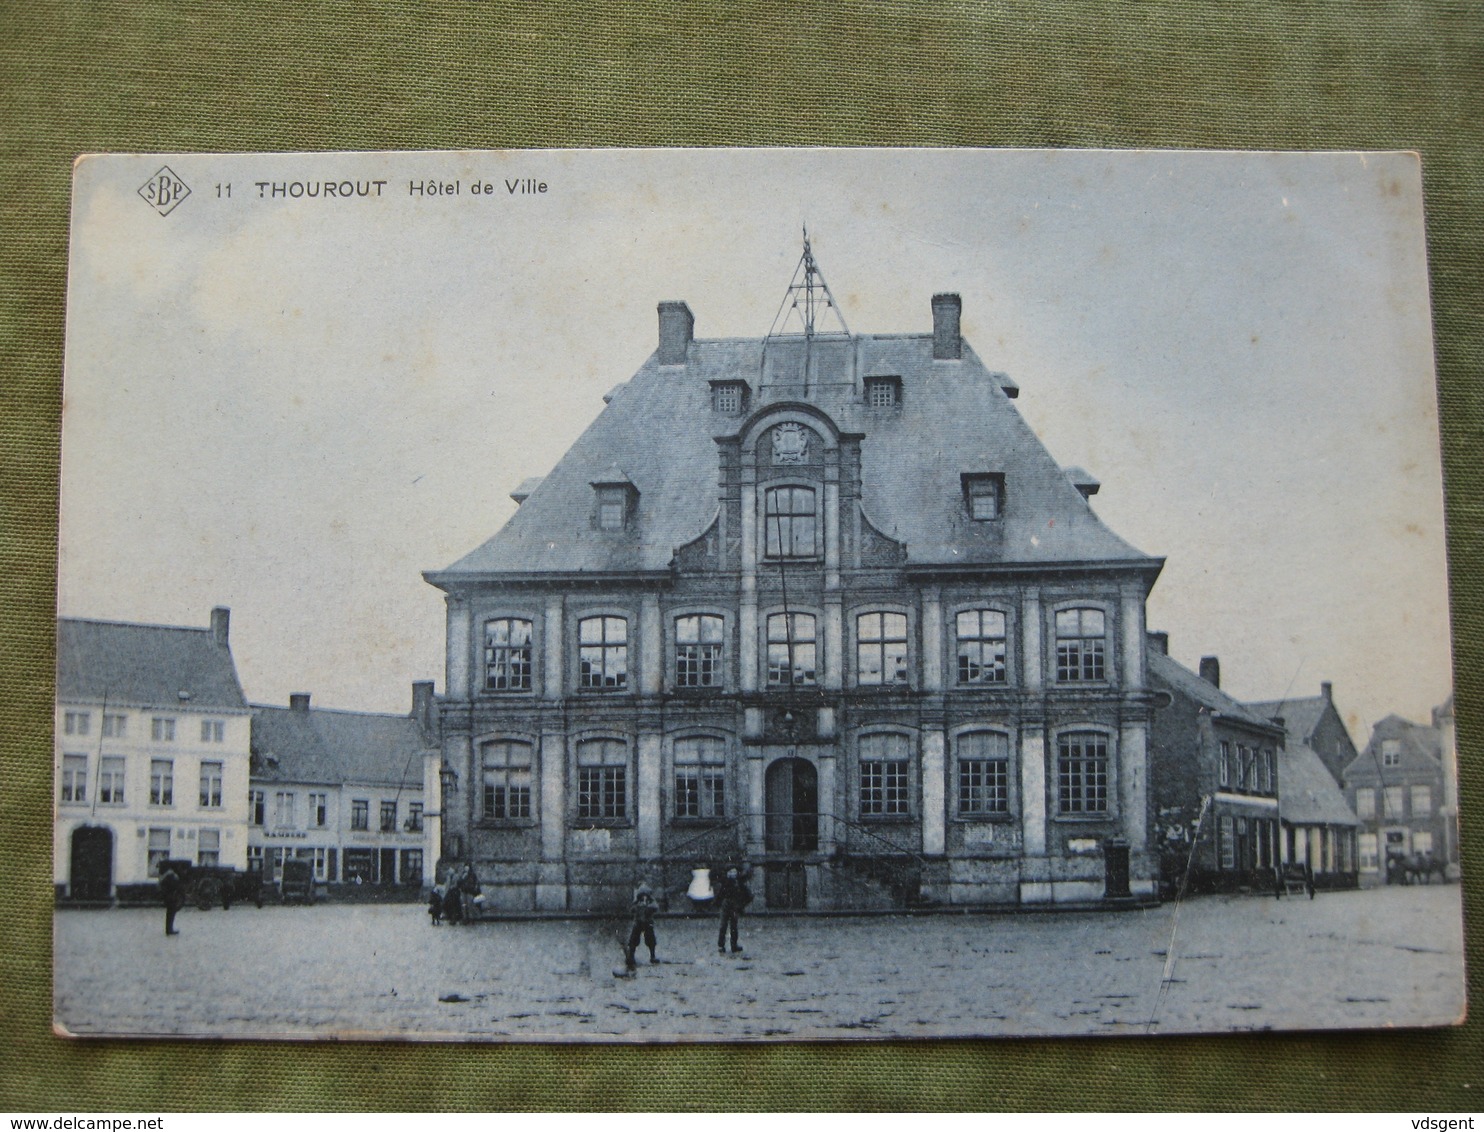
[[642, 911]]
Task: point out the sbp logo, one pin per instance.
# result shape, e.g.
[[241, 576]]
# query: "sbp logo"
[[164, 191]]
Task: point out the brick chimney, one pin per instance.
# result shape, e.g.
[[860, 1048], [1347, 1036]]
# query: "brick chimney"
[[221, 620], [1327, 690], [299, 701], [1211, 671], [946, 341], [1159, 642], [677, 330], [424, 711]]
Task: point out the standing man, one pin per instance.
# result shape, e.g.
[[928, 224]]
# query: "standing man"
[[732, 896], [172, 893]]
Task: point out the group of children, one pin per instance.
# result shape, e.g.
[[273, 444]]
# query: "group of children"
[[731, 896]]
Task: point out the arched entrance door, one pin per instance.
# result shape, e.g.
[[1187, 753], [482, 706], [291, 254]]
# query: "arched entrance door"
[[792, 793], [91, 875]]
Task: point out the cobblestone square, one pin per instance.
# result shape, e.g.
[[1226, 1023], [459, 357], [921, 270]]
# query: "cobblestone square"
[[1387, 957]]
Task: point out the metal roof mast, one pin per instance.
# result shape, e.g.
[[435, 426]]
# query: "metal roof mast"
[[808, 295]]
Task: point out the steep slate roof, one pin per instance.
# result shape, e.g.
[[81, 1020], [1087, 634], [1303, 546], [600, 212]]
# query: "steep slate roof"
[[1186, 682], [145, 666], [1308, 793], [659, 428], [1419, 741], [1300, 717], [318, 745]]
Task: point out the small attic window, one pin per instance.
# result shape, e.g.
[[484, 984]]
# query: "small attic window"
[[883, 392], [616, 496], [729, 397], [984, 495]]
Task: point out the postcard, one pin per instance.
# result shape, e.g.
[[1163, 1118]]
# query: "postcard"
[[676, 595]]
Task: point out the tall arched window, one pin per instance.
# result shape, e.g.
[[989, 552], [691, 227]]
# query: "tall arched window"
[[698, 651], [981, 646], [603, 652], [790, 526], [602, 779], [700, 777], [1080, 645], [1082, 772], [983, 774], [884, 775], [881, 648], [791, 650], [507, 655], [505, 767]]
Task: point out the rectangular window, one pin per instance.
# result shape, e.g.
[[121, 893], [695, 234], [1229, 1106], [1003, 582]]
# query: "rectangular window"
[[1395, 802], [1422, 841], [507, 655], [114, 726], [1391, 752], [1369, 858], [111, 781], [791, 650], [984, 496], [360, 818], [209, 847], [389, 817], [983, 774], [1226, 763], [74, 778], [414, 817], [1267, 772], [255, 859], [321, 864], [789, 523], [211, 785], [1227, 834], [283, 810], [1079, 645], [1365, 803], [698, 651], [506, 768], [603, 653], [700, 778], [158, 849], [319, 810], [1244, 763], [602, 779], [1422, 801], [883, 392], [162, 730], [1082, 773], [212, 730], [161, 782], [76, 722], [981, 647], [360, 865], [883, 776], [881, 648], [412, 866], [726, 397]]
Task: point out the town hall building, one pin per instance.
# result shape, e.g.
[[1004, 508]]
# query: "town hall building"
[[819, 604]]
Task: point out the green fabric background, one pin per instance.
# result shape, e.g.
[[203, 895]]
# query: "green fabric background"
[[148, 75]]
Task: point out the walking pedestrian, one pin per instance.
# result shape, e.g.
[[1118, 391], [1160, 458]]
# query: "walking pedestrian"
[[642, 912], [732, 896], [172, 894]]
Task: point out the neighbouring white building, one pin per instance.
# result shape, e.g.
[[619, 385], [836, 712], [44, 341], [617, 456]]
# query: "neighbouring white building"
[[150, 755], [345, 791]]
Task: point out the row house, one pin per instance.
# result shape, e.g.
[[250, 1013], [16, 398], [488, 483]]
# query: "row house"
[[345, 791], [1401, 789], [1216, 773], [150, 753], [819, 602]]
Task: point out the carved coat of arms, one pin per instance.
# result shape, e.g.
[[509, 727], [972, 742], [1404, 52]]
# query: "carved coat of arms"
[[790, 443]]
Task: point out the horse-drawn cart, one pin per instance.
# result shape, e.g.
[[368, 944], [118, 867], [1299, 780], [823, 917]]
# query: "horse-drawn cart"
[[205, 885]]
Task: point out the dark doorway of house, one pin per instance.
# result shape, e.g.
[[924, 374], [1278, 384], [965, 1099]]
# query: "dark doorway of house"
[[792, 787], [387, 873], [1115, 869], [785, 885], [92, 863]]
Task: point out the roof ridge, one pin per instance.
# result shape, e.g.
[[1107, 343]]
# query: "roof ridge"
[[136, 624]]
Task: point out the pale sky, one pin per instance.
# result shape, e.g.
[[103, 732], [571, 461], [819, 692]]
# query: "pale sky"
[[293, 407]]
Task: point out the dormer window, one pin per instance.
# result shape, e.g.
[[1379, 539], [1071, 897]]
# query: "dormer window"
[[883, 392], [616, 497], [984, 495], [729, 397]]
